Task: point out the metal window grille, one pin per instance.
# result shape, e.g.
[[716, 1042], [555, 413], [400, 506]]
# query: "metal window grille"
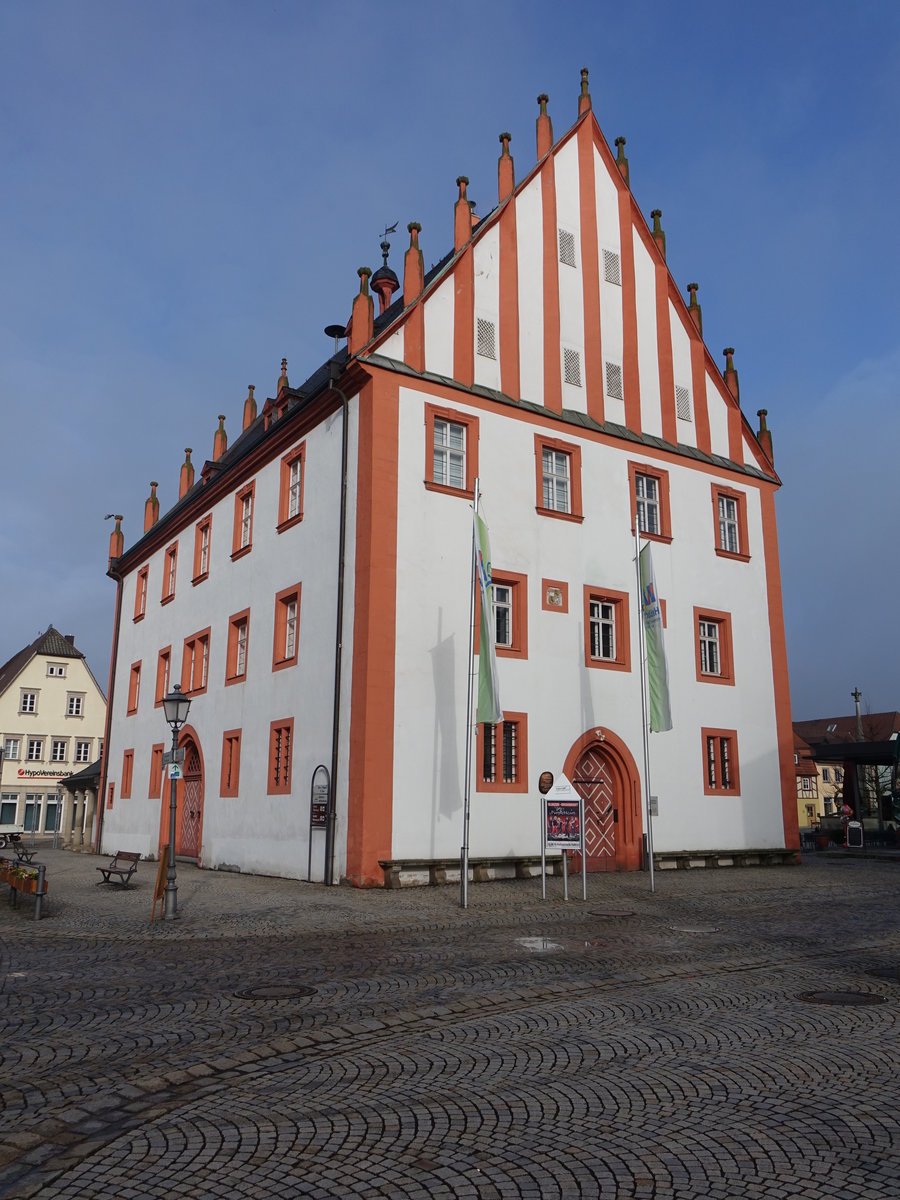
[[603, 630], [509, 752], [567, 247], [510, 764], [711, 761], [449, 454], [612, 270], [728, 525], [724, 762], [646, 491], [614, 388], [683, 403], [486, 338], [572, 367]]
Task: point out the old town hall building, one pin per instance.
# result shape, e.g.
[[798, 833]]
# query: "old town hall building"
[[310, 588]]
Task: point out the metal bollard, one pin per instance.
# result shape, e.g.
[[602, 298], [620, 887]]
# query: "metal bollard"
[[39, 898]]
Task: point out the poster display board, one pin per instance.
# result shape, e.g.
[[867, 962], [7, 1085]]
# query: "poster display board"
[[562, 828]]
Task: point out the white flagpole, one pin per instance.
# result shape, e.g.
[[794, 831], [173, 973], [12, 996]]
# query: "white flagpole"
[[644, 718], [467, 787]]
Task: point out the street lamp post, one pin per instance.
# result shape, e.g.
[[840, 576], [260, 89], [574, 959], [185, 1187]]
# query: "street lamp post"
[[176, 707]]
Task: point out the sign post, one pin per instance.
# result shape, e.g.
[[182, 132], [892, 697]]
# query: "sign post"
[[319, 788], [563, 829]]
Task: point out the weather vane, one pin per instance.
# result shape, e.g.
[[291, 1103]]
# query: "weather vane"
[[390, 229]]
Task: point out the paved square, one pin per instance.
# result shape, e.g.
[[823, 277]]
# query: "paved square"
[[638, 1045]]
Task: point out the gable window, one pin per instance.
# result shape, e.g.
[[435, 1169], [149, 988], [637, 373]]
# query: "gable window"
[[140, 593], [615, 389], [162, 675], [567, 247], [238, 638], [154, 789], [74, 705], [451, 451], [242, 539], [572, 366], [127, 771], [287, 628], [231, 762], [612, 271], [683, 403], [720, 762], [134, 689], [82, 752], [58, 749], [202, 536], [485, 338], [558, 478], [170, 569], [28, 702], [730, 515], [195, 663], [290, 495], [57, 669], [713, 646], [281, 745], [607, 629], [649, 494], [502, 755]]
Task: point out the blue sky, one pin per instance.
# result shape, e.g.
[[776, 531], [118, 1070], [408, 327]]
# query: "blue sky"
[[188, 188]]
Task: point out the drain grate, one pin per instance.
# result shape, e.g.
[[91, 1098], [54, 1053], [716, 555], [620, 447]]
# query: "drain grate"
[[276, 991], [609, 915], [847, 999], [694, 928]]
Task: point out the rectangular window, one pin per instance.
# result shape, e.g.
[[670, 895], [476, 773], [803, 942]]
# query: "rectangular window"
[[74, 705], [28, 702], [127, 769], [140, 593], [170, 570], [612, 272], [290, 496], [451, 451], [35, 749], [720, 762], [281, 746], [558, 477], [82, 752], [231, 762], [202, 537], [607, 627], [195, 663], [57, 669], [163, 663], [713, 646], [503, 615], [510, 601], [572, 366], [242, 539], [683, 403], [502, 755], [154, 790], [238, 638], [649, 494], [730, 515], [11, 749], [614, 387], [134, 689], [287, 628], [58, 749], [567, 247], [826, 775]]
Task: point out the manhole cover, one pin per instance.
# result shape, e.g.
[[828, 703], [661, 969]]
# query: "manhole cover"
[[848, 999], [694, 928], [276, 991]]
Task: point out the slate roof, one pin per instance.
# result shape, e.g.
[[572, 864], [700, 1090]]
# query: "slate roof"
[[876, 727], [51, 643]]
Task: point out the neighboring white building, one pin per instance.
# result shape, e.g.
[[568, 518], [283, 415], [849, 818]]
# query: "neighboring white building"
[[52, 718], [551, 355]]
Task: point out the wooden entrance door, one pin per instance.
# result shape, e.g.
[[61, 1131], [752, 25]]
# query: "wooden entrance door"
[[594, 782], [191, 805]]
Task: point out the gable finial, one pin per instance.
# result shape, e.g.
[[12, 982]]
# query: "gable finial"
[[544, 127], [584, 99], [658, 235], [694, 308], [506, 175], [622, 161], [731, 375]]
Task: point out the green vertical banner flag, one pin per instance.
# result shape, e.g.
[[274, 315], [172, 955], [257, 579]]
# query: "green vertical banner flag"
[[657, 667], [488, 711]]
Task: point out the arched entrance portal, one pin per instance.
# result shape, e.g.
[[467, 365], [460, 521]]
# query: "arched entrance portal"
[[188, 801], [603, 772]]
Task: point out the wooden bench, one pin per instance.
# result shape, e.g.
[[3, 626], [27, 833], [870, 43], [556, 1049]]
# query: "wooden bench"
[[124, 864]]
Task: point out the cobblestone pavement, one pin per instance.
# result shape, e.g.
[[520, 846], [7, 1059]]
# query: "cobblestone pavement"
[[635, 1046]]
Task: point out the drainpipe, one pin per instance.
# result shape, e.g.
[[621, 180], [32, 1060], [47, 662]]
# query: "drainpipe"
[[334, 372]]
